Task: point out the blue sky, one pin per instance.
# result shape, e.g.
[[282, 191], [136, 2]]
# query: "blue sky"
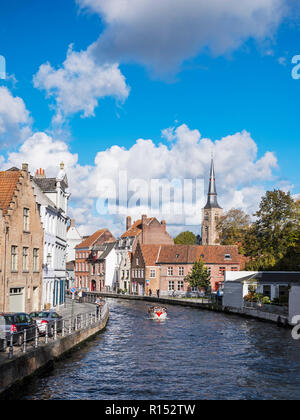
[[245, 87]]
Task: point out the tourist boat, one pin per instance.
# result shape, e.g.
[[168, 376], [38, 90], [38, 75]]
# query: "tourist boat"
[[158, 312]]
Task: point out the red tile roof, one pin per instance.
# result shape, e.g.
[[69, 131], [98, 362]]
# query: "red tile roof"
[[150, 254], [211, 254], [8, 185], [90, 240], [136, 228]]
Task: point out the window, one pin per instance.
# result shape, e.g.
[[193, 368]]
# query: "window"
[[26, 220], [25, 259], [170, 271], [234, 269], [180, 286], [137, 261], [35, 259], [267, 291], [14, 258], [152, 273], [222, 271], [181, 271], [171, 285], [227, 257]]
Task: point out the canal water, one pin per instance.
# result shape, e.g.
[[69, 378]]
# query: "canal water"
[[194, 354]]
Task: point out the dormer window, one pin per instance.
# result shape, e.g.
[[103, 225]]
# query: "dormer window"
[[177, 256], [227, 257]]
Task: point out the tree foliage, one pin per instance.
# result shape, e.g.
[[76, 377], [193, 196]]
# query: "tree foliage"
[[186, 238], [233, 226], [273, 240], [199, 276]]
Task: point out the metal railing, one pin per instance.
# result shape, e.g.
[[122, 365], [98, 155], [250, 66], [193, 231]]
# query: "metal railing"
[[32, 338]]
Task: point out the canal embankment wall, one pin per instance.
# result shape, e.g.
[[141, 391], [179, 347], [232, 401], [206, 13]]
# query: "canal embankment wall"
[[280, 320], [22, 367]]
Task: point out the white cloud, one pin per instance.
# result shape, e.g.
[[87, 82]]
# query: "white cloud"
[[15, 120], [162, 34], [240, 174], [80, 83]]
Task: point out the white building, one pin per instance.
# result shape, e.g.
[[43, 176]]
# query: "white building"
[[73, 239], [103, 267], [52, 199], [281, 287]]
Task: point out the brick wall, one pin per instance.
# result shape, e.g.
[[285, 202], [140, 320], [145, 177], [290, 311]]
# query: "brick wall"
[[28, 280]]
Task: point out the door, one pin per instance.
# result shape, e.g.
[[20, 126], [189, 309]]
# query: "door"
[[17, 299]]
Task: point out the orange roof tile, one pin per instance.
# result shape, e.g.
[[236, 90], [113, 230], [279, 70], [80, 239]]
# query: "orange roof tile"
[[150, 254], [8, 184], [136, 228], [211, 254], [88, 242]]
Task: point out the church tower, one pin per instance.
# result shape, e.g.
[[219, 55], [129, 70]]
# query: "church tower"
[[211, 212]]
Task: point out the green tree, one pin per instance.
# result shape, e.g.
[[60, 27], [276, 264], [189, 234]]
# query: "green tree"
[[186, 238], [199, 276], [273, 239], [233, 226]]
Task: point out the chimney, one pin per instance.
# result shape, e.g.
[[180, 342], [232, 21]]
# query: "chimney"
[[72, 223], [128, 222], [40, 173], [144, 229], [164, 225], [25, 167]]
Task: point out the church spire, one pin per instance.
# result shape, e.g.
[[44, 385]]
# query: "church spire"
[[212, 202]]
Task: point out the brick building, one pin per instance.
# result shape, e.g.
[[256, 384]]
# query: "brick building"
[[21, 243], [164, 267], [82, 257], [177, 261], [145, 274], [102, 267], [147, 230]]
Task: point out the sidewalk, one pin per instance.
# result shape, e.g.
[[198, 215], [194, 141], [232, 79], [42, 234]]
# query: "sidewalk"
[[79, 308], [65, 312]]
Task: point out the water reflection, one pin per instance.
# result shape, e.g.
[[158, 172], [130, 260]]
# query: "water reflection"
[[193, 355]]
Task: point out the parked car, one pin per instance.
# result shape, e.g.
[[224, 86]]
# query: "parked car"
[[46, 320], [16, 323]]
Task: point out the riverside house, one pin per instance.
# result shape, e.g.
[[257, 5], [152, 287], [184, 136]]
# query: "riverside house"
[[145, 231], [82, 258], [21, 243], [164, 267]]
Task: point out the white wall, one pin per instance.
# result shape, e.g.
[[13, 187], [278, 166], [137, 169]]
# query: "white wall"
[[110, 268], [294, 302], [233, 295]]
